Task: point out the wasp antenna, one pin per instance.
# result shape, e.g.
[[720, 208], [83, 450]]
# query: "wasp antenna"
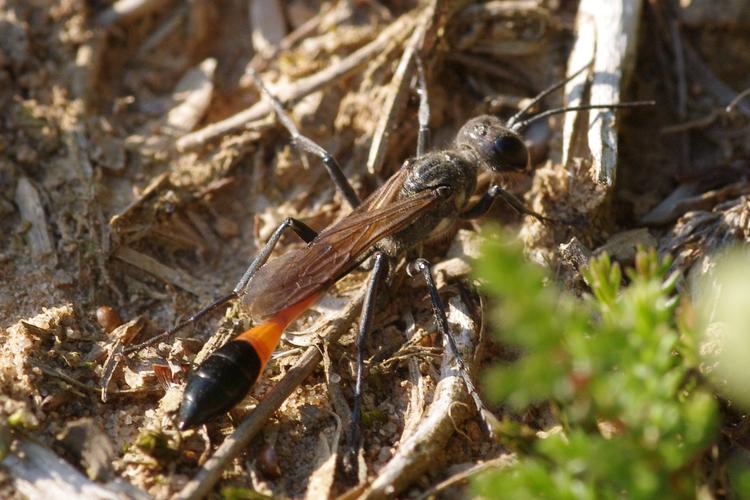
[[557, 111], [544, 93]]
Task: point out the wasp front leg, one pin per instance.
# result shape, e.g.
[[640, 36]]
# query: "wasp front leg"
[[310, 146], [485, 203]]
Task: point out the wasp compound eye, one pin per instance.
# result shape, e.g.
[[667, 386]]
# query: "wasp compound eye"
[[510, 153]]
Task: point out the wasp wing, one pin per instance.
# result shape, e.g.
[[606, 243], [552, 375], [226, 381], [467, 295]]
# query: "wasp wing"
[[300, 273]]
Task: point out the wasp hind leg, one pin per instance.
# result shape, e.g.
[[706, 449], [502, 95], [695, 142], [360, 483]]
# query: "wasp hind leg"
[[299, 227], [379, 269]]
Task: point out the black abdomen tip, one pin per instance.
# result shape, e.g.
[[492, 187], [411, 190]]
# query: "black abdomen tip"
[[219, 383]]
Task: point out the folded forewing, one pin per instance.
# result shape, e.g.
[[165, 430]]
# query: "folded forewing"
[[300, 273]]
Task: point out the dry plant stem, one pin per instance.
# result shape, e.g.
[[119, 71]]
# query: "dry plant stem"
[[128, 10], [670, 210], [395, 99], [682, 88], [322, 479], [88, 66], [93, 216], [393, 34], [448, 409], [607, 36], [419, 386], [267, 25], [152, 266], [74, 383], [32, 211], [38, 472], [210, 473], [461, 477], [154, 187], [191, 98], [260, 62], [679, 69]]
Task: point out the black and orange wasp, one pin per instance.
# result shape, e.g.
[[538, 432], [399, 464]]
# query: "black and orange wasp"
[[426, 197]]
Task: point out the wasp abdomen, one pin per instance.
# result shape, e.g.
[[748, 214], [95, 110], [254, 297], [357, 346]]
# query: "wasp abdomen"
[[219, 383]]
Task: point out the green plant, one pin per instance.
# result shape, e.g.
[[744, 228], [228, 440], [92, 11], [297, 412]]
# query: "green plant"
[[618, 372]]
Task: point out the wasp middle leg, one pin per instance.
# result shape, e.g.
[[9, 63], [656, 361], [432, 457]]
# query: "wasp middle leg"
[[424, 268]]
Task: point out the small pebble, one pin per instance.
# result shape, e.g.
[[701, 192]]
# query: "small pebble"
[[108, 318]]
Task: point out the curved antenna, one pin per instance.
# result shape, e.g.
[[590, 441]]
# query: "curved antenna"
[[517, 127], [544, 93]]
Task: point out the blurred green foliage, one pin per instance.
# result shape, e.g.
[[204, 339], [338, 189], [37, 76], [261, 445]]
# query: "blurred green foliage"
[[723, 300], [618, 368]]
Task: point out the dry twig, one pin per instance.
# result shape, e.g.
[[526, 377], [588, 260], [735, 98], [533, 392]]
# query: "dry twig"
[[393, 34], [30, 205], [606, 36], [165, 273], [39, 473], [395, 98]]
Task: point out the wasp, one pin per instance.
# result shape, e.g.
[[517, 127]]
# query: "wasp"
[[422, 200]]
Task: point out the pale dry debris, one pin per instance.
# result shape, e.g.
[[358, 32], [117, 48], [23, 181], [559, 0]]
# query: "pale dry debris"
[[322, 479], [18, 346], [698, 236], [191, 98], [606, 36], [39, 473], [392, 35], [176, 277], [606, 39], [395, 99], [124, 11], [29, 204], [267, 24], [622, 246], [458, 262]]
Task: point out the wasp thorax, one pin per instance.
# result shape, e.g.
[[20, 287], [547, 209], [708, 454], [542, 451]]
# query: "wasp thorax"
[[498, 147]]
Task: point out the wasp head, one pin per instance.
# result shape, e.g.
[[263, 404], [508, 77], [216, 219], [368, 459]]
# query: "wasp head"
[[497, 147]]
